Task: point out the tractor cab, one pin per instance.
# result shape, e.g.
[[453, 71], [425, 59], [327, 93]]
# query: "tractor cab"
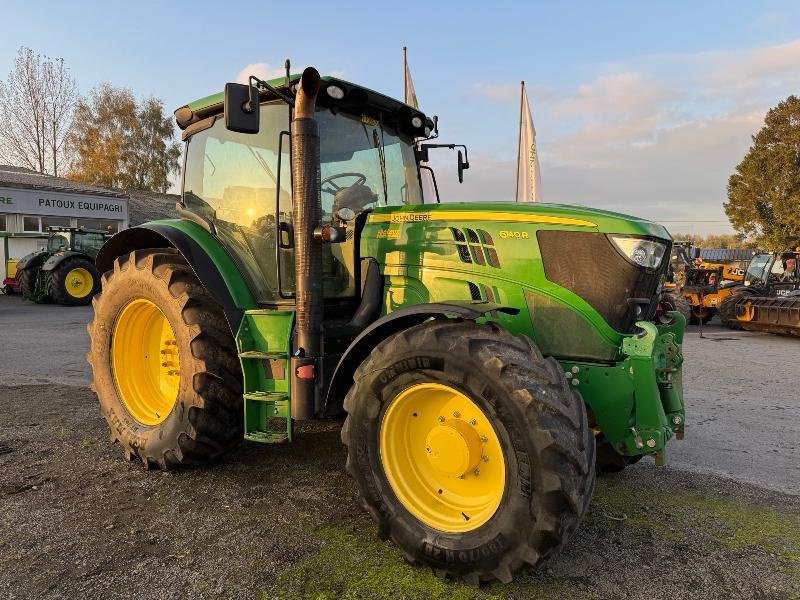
[[777, 273], [241, 185]]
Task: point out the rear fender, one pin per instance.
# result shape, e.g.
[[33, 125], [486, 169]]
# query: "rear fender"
[[32, 260], [59, 257], [393, 323], [208, 259]]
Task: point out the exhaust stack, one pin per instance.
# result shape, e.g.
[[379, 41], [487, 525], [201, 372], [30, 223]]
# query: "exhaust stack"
[[306, 216]]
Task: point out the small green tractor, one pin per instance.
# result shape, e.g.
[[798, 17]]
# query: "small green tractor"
[[489, 358], [64, 271]]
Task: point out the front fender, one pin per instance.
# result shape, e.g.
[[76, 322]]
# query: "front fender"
[[210, 262], [396, 321]]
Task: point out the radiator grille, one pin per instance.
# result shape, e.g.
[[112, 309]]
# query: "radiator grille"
[[589, 265]]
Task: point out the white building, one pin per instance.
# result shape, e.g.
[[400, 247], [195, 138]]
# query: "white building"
[[30, 202]]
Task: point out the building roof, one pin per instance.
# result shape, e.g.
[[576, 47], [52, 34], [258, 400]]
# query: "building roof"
[[20, 177], [143, 206], [150, 206]]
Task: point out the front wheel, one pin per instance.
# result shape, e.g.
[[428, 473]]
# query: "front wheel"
[[673, 301], [469, 448]]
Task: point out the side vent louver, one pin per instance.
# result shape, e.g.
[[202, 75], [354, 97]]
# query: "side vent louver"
[[475, 246]]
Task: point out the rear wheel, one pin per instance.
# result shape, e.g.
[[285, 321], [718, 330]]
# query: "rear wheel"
[[164, 362], [73, 282], [27, 282], [469, 448]]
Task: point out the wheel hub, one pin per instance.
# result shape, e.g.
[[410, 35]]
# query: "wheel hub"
[[442, 457], [78, 283], [145, 362], [454, 448]]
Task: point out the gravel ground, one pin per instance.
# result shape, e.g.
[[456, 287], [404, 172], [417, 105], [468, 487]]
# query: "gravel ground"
[[76, 520]]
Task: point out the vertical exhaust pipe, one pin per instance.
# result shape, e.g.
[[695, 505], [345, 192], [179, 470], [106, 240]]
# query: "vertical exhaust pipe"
[[306, 215]]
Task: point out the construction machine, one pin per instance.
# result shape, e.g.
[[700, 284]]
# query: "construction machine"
[[706, 277], [63, 271], [769, 298], [489, 357]]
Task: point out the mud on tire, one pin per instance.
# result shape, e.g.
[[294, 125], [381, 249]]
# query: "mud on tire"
[[205, 420], [541, 423]]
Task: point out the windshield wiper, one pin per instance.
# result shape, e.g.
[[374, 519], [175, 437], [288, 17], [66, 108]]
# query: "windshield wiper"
[[379, 147], [263, 163]]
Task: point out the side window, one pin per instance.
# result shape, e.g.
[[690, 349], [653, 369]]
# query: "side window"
[[232, 179]]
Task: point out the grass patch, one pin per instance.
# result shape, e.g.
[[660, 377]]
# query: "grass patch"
[[354, 563], [733, 524]]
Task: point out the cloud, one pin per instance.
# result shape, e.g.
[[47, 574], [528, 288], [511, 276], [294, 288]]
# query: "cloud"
[[261, 70], [656, 136]]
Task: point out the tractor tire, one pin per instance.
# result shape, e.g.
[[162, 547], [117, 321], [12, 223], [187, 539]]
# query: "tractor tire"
[[27, 282], [610, 461], [535, 452], [674, 301], [186, 410], [73, 283], [727, 311]]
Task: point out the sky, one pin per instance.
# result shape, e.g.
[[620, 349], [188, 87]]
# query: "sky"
[[642, 108]]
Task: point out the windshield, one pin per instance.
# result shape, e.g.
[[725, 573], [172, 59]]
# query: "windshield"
[[375, 166], [58, 242], [755, 270], [233, 180]]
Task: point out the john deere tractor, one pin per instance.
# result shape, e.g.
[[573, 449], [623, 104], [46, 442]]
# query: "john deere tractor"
[[64, 271], [488, 357]]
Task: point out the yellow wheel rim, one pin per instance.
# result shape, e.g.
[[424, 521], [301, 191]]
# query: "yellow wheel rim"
[[442, 457], [79, 283], [145, 362]]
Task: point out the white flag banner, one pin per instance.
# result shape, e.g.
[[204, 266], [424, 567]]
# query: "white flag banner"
[[410, 96], [529, 178]]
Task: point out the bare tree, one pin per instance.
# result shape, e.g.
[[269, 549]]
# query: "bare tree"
[[37, 103]]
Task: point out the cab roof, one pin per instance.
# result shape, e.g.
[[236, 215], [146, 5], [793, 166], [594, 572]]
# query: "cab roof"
[[357, 99]]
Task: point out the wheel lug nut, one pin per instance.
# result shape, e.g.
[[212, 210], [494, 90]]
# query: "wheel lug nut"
[[477, 472], [473, 422], [485, 458], [484, 439], [441, 419], [456, 414]]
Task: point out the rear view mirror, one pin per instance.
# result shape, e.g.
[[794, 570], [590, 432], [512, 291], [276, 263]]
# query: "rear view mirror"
[[463, 165], [241, 108]]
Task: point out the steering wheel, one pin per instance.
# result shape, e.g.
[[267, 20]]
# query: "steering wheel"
[[360, 179]]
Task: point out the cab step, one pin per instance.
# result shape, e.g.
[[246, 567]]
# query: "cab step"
[[264, 344]]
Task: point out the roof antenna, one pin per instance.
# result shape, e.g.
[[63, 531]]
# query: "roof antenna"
[[288, 65]]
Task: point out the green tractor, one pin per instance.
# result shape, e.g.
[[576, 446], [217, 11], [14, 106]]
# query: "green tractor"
[[64, 271], [489, 357]]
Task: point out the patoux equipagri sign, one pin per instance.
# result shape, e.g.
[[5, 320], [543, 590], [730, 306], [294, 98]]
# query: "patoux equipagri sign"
[[38, 202]]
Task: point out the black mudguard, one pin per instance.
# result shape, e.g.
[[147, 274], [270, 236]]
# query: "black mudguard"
[[155, 235], [390, 324]]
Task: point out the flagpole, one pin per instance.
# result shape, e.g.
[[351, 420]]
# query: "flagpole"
[[405, 76], [519, 139]]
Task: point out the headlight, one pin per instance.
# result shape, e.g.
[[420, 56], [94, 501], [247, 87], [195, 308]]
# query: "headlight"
[[335, 92], [647, 253]]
